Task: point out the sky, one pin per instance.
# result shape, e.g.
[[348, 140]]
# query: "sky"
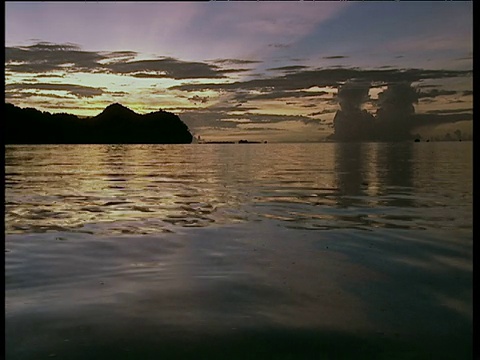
[[256, 70]]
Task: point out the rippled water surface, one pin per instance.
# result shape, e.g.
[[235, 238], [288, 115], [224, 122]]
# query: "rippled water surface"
[[239, 251]]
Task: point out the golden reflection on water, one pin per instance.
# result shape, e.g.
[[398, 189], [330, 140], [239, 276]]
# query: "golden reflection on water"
[[143, 188]]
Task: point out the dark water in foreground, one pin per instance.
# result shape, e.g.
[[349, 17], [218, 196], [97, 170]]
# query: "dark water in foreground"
[[249, 251]]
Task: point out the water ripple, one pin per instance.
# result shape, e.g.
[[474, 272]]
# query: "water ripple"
[[69, 187]]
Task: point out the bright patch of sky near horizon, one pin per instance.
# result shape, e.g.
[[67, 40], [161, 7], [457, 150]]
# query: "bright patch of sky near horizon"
[[299, 36]]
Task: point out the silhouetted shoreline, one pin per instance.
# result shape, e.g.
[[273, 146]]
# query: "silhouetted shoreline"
[[232, 142], [116, 124]]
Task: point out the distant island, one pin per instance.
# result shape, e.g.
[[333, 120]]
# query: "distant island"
[[231, 142], [116, 124]]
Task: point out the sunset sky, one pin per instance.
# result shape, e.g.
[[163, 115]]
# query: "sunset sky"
[[238, 70]]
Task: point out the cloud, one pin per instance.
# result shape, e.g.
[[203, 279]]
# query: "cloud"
[[435, 92], [232, 71], [25, 95], [289, 68], [432, 119], [451, 111], [279, 46], [243, 120], [304, 79], [47, 57], [277, 95], [395, 118], [354, 84], [352, 95], [44, 57], [166, 67], [350, 122], [228, 116], [78, 91], [116, 93], [198, 99], [323, 112], [335, 57], [260, 129], [235, 61], [117, 56], [39, 76]]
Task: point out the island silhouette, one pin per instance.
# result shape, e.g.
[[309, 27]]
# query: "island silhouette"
[[116, 124]]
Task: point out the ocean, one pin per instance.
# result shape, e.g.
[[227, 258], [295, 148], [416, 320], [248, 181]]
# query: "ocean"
[[239, 251]]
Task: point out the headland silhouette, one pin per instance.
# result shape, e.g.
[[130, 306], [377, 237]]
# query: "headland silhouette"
[[116, 124]]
